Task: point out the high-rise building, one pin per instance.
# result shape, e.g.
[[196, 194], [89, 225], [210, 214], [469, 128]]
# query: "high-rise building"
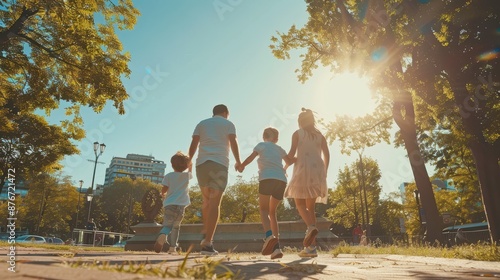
[[135, 166]]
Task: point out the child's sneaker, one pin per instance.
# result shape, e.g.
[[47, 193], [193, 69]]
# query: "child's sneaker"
[[308, 252], [277, 254], [310, 235], [160, 241], [269, 244], [172, 251], [208, 249]]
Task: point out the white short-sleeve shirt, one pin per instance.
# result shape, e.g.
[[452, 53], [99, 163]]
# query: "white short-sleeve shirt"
[[270, 161], [214, 140], [178, 188]]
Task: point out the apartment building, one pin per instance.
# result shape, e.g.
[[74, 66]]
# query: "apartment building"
[[135, 166]]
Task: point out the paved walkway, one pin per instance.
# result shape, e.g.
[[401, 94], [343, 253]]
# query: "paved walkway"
[[36, 263]]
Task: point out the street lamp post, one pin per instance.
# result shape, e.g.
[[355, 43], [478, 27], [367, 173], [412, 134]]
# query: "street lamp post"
[[78, 208], [101, 148]]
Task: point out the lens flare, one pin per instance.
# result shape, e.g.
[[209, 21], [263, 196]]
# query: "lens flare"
[[489, 55], [379, 54]]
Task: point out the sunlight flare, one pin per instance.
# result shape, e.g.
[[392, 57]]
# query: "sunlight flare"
[[344, 94]]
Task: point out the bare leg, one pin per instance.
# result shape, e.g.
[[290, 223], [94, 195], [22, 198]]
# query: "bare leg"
[[310, 204], [264, 211], [305, 211], [210, 211], [273, 205]]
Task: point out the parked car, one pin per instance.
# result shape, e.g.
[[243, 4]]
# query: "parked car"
[[467, 233], [31, 239], [54, 240]]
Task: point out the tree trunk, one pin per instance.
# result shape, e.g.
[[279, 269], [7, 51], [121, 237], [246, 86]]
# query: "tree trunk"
[[485, 157], [404, 115]]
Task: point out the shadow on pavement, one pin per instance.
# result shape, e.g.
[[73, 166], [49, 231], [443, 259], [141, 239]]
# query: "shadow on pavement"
[[291, 270]]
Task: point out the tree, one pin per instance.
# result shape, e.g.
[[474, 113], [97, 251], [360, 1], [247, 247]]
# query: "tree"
[[32, 146], [49, 207], [453, 62], [56, 53], [241, 202], [374, 129], [446, 148], [119, 206], [387, 217], [192, 214], [345, 199]]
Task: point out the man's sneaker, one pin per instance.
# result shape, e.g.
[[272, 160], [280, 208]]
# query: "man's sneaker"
[[308, 252], [160, 241], [208, 250], [277, 254], [269, 244], [310, 235]]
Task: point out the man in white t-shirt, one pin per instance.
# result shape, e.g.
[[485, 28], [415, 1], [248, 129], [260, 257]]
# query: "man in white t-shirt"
[[214, 136]]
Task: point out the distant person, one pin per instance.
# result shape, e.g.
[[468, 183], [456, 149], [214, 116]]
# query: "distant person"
[[356, 234], [176, 198], [214, 136], [363, 241], [272, 184], [308, 183]]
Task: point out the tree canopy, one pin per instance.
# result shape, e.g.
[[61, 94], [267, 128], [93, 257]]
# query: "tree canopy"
[[57, 53]]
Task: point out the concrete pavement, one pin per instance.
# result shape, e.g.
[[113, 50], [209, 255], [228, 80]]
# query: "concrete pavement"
[[37, 263]]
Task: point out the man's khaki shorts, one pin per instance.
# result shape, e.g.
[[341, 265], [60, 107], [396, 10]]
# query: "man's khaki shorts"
[[212, 174]]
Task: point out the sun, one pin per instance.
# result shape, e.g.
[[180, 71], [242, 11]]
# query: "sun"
[[344, 94]]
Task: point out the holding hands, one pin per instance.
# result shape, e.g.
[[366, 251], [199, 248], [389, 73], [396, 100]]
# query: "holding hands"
[[240, 168]]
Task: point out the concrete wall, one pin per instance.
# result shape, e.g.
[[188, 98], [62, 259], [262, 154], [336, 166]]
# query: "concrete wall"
[[248, 237]]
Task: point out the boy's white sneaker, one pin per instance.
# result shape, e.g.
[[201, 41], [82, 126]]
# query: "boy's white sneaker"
[[172, 251], [269, 244], [277, 254]]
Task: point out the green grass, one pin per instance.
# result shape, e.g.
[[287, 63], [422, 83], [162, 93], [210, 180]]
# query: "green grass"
[[205, 268], [477, 252]]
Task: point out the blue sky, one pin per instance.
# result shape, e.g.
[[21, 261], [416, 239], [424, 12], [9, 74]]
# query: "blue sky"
[[188, 57]]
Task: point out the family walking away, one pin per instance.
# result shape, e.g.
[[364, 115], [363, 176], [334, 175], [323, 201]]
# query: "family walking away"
[[213, 138]]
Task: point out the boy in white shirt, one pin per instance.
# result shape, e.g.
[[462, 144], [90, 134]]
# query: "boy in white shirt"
[[272, 184], [176, 192]]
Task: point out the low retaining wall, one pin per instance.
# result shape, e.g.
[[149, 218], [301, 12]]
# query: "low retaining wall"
[[239, 237]]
